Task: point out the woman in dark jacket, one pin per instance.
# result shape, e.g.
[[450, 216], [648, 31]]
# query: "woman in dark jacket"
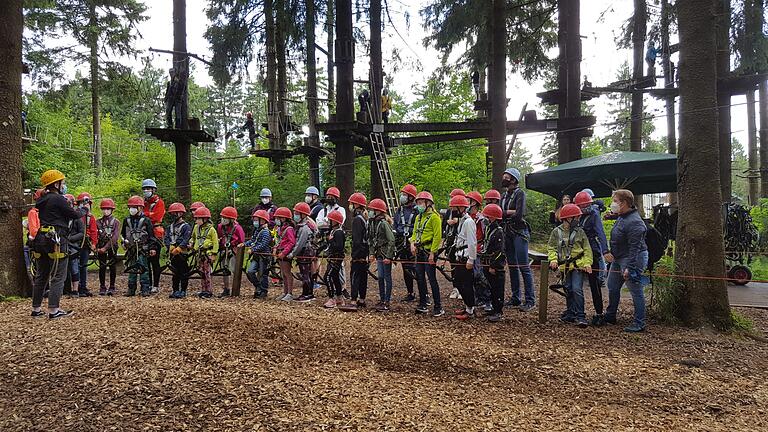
[[628, 257]]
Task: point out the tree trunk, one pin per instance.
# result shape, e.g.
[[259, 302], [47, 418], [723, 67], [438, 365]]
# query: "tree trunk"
[[669, 82], [723, 24], [13, 275], [273, 124], [282, 67], [639, 24], [563, 145], [312, 139], [699, 241], [331, 78], [573, 65], [763, 94], [345, 100], [377, 83], [498, 92], [93, 45], [752, 156], [181, 64]]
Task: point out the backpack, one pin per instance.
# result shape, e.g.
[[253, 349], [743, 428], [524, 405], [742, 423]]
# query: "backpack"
[[656, 244]]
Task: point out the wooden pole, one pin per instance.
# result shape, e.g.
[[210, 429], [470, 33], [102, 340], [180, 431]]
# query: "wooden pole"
[[237, 276], [313, 139], [752, 156], [345, 100], [181, 64], [669, 82], [563, 148], [377, 83], [723, 24], [498, 92], [763, 95], [543, 290], [573, 64]]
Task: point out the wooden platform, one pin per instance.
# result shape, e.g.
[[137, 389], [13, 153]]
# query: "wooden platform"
[[190, 136], [272, 154]]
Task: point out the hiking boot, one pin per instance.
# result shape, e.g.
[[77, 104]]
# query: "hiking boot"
[[61, 313], [513, 302], [494, 318], [224, 293], [408, 298], [37, 314], [422, 309], [634, 328], [488, 308], [330, 304], [438, 313], [597, 320]]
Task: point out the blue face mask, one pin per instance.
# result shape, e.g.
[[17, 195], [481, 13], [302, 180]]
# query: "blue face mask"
[[147, 194], [278, 222], [63, 189], [296, 218], [421, 208], [403, 199], [255, 224]]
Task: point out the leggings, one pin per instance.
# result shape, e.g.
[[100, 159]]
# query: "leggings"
[[333, 278]]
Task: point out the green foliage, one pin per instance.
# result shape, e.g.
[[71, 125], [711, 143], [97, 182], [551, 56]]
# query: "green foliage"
[[665, 292], [741, 323]]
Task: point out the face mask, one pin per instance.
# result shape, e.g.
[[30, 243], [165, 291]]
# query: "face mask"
[[107, 212], [331, 201], [147, 194], [278, 222], [63, 189], [421, 208], [506, 183], [371, 214], [256, 224], [225, 221], [351, 207], [615, 207], [308, 199], [403, 199], [133, 211], [265, 200], [296, 218]]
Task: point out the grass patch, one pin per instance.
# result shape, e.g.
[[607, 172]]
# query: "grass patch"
[[10, 298], [741, 323]]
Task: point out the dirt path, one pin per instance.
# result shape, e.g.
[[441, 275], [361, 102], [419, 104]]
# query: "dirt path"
[[238, 364]]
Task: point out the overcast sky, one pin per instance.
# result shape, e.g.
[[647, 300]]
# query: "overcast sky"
[[601, 20]]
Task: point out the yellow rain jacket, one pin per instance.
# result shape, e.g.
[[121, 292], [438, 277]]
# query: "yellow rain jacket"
[[569, 246]]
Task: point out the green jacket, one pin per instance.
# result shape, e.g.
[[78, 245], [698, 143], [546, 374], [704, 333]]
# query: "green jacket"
[[428, 231], [205, 237], [381, 239], [562, 240]]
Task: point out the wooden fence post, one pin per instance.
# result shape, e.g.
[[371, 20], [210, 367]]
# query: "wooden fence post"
[[237, 276], [543, 290]]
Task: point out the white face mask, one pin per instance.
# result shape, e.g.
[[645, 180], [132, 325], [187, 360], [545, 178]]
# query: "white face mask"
[[225, 221], [133, 211], [265, 200], [403, 199], [308, 199], [615, 207]]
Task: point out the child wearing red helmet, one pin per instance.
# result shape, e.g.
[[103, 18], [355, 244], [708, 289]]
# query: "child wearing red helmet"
[[336, 253], [493, 259], [205, 246], [231, 234], [108, 228], [303, 250], [259, 247], [177, 240], [286, 240], [137, 233]]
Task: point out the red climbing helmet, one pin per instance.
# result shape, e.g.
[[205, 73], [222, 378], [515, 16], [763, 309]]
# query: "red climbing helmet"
[[302, 208], [83, 196], [377, 204], [569, 211], [459, 201], [334, 192], [261, 214], [336, 216], [410, 190], [424, 195], [196, 205], [107, 203], [358, 198], [582, 198], [492, 211], [202, 212], [229, 213], [475, 196], [136, 201], [177, 208], [492, 194], [283, 212]]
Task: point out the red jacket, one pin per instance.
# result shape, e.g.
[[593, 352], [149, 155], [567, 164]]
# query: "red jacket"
[[91, 229], [154, 209]]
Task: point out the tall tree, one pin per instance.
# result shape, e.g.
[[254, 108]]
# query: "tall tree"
[[313, 139], [763, 94], [723, 26], [639, 25], [101, 27], [329, 28], [13, 275], [703, 300]]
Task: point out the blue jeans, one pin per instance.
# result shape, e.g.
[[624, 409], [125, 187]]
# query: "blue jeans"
[[256, 267], [635, 286], [74, 267], [385, 280], [516, 248], [574, 299], [85, 253], [424, 272]]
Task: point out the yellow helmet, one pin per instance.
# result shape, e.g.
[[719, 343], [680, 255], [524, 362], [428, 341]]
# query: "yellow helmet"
[[50, 177]]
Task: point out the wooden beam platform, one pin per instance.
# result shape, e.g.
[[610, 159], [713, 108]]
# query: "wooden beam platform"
[[554, 97], [311, 151], [272, 154], [190, 136]]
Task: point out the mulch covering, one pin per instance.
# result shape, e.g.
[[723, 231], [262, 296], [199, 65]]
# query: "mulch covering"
[[241, 364]]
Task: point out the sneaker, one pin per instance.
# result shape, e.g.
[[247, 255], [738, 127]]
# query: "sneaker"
[[345, 294], [182, 294], [513, 302], [287, 298], [634, 328], [429, 301], [102, 291], [609, 320], [597, 320], [488, 308], [330, 304], [438, 313], [224, 293], [454, 294], [526, 308], [85, 294], [409, 298], [174, 295], [422, 309], [154, 290], [37, 314], [61, 313], [361, 303], [463, 316], [305, 298], [260, 295], [567, 319], [111, 292], [382, 307], [494, 317], [201, 294], [582, 323]]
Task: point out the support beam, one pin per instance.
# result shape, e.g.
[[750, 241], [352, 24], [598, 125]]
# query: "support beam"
[[723, 61], [753, 178], [573, 64], [763, 95], [313, 139], [345, 100]]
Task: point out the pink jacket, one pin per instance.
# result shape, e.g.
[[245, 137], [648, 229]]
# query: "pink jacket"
[[236, 235], [287, 235]]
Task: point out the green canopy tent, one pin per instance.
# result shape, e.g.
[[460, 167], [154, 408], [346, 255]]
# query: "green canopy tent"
[[640, 172]]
